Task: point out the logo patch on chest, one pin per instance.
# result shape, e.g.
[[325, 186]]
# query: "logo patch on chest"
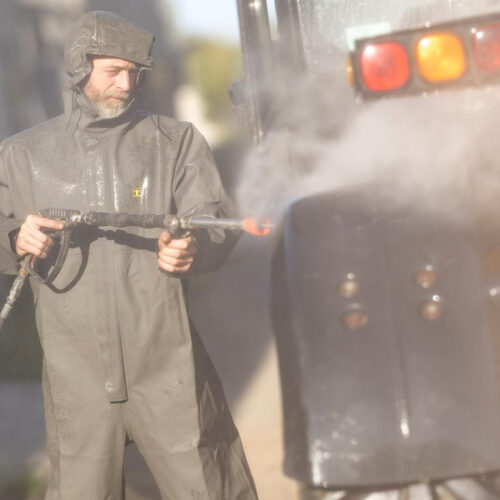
[[137, 192]]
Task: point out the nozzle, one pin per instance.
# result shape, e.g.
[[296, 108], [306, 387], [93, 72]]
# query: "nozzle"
[[255, 228], [248, 225]]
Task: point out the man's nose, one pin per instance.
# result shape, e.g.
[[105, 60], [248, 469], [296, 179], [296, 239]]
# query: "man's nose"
[[124, 81]]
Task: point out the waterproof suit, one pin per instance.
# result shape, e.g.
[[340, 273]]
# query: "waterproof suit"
[[121, 359]]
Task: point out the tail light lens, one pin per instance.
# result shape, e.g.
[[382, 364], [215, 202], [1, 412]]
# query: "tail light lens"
[[355, 318], [426, 277], [486, 48], [349, 286], [384, 66], [441, 57], [432, 310]]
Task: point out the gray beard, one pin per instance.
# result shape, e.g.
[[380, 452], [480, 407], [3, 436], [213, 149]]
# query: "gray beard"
[[103, 106], [109, 109]]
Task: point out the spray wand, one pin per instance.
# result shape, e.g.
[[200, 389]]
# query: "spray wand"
[[177, 226]]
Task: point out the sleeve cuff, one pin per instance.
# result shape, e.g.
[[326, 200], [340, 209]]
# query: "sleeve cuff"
[[13, 238]]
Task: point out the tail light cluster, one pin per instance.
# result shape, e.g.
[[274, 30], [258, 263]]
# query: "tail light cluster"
[[463, 52]]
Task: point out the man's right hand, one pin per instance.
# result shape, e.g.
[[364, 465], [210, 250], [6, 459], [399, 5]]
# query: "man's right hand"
[[32, 240]]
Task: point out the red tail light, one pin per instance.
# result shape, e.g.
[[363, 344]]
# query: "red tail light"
[[486, 48], [384, 66]]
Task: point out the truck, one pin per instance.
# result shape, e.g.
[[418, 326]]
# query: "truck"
[[374, 131]]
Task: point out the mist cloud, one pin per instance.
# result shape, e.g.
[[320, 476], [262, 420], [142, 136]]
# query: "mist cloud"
[[437, 151]]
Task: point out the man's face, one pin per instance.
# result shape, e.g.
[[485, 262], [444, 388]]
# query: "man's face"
[[110, 85]]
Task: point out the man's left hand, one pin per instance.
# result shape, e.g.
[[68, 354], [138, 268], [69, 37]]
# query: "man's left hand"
[[176, 255]]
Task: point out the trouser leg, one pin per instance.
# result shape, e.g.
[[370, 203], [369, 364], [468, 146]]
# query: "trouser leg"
[[215, 472], [185, 465], [85, 439]]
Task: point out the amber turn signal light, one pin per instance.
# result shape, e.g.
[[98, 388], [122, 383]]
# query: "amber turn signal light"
[[441, 57]]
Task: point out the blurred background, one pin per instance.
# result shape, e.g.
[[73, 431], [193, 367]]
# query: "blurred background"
[[197, 57]]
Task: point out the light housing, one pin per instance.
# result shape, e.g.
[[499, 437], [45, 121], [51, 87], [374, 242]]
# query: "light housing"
[[454, 54]]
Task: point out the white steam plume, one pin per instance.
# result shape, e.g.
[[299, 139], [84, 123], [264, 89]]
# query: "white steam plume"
[[434, 150]]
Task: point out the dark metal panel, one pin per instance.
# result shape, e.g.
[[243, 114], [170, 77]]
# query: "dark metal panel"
[[401, 398]]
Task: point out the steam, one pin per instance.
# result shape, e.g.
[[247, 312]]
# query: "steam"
[[437, 151]]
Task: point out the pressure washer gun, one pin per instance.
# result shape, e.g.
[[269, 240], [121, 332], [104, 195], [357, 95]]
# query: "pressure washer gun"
[[177, 226]]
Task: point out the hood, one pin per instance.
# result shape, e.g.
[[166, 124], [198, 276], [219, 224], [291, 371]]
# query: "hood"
[[105, 34]]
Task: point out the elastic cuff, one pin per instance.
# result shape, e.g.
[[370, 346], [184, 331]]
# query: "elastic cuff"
[[13, 239]]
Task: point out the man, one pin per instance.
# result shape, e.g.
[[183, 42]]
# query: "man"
[[121, 360]]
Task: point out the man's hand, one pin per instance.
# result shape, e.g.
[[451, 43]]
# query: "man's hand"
[[176, 255], [31, 240]]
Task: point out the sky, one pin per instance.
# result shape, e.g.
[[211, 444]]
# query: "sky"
[[217, 18]]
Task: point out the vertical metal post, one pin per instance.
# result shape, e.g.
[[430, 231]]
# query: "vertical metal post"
[[258, 62]]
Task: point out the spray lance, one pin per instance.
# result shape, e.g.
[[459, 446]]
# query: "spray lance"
[[177, 226]]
